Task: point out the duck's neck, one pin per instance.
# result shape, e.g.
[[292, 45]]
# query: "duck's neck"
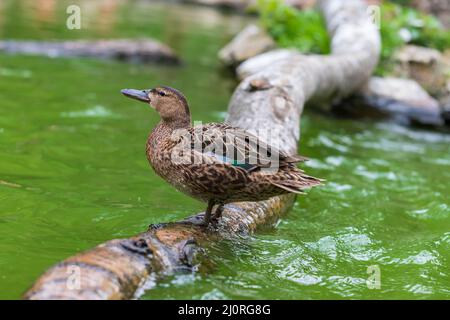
[[164, 131]]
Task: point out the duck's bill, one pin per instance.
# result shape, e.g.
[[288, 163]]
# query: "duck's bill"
[[141, 95]]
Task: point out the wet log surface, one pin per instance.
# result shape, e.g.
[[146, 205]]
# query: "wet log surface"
[[272, 97], [140, 51], [121, 268]]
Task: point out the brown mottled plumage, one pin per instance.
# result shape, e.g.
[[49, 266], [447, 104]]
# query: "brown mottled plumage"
[[196, 160]]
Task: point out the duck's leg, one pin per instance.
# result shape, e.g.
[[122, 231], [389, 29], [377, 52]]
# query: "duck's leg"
[[218, 212], [207, 218]]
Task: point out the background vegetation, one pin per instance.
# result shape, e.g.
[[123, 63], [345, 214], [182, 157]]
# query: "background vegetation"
[[305, 30]]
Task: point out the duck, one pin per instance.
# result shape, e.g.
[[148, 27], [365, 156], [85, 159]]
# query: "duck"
[[215, 163]]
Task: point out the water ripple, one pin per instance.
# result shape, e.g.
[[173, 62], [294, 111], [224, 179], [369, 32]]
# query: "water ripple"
[[423, 257], [94, 112]]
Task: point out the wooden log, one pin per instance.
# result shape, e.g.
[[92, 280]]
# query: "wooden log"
[[139, 51], [271, 97]]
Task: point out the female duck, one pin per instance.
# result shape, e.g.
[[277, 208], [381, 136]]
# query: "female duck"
[[215, 162]]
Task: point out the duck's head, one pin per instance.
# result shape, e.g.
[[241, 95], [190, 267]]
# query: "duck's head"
[[169, 102]]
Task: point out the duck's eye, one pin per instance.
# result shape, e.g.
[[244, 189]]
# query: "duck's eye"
[[162, 93]]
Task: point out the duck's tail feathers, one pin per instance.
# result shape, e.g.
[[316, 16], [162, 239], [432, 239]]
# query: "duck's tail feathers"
[[298, 183], [288, 188]]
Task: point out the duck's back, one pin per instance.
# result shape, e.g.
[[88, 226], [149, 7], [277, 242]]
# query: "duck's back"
[[218, 161]]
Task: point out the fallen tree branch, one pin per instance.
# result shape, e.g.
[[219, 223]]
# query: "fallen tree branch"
[[271, 97]]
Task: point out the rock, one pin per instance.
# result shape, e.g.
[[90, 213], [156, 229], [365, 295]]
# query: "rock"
[[429, 68], [438, 8], [142, 50], [243, 5], [423, 65], [403, 100], [248, 43], [446, 61], [404, 90]]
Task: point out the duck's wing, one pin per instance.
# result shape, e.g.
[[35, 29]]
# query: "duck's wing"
[[222, 143]]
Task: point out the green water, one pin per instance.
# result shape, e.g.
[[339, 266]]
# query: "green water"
[[73, 171]]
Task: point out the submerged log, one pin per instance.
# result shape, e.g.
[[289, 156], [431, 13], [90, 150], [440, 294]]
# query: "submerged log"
[[141, 50], [271, 98], [402, 100]]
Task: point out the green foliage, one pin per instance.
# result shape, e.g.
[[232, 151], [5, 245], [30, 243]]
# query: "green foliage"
[[292, 28], [402, 25], [305, 30]]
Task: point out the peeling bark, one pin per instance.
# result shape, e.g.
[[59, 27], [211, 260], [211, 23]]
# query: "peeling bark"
[[271, 97]]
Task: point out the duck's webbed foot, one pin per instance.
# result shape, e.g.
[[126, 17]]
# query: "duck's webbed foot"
[[217, 213]]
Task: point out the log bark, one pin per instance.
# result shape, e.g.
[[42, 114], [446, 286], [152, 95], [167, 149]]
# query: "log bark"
[[272, 96]]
